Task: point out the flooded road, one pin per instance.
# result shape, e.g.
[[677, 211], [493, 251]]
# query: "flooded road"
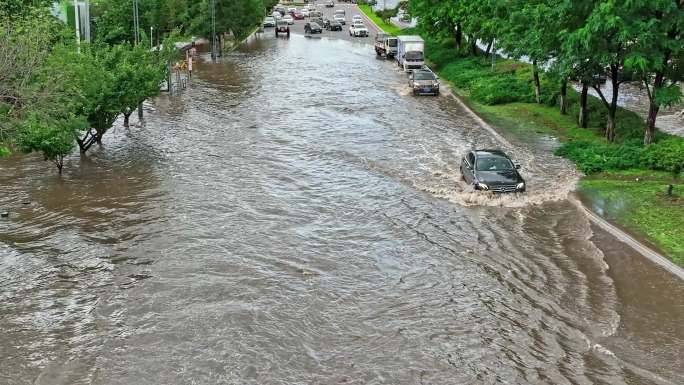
[[297, 217]]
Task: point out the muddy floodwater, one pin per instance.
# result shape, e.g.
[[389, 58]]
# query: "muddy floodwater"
[[297, 217]]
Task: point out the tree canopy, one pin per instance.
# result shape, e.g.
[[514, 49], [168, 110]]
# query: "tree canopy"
[[576, 39]]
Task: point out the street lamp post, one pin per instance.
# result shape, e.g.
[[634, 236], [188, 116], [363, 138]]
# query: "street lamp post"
[[136, 34], [151, 34], [213, 29], [78, 26]]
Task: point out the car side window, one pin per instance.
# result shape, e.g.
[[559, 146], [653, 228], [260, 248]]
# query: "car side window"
[[471, 159]]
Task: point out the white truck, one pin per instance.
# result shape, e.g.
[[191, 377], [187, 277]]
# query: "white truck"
[[410, 52]]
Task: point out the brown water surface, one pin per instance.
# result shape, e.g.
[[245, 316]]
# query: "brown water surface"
[[297, 217]]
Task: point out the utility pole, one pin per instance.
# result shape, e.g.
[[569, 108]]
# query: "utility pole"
[[136, 34], [77, 20], [151, 34], [213, 30]]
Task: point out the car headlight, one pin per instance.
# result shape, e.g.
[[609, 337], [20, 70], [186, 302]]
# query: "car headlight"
[[520, 186], [483, 186]]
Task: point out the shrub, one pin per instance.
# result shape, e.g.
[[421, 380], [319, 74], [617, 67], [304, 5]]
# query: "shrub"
[[666, 155], [463, 73], [501, 89], [592, 157]]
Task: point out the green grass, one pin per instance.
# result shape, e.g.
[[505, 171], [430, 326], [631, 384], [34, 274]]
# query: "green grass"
[[388, 28], [642, 206]]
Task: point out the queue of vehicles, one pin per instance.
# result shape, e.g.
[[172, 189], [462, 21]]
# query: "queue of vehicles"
[[316, 22], [486, 169]]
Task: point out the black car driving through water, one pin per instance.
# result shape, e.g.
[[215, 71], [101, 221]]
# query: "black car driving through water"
[[491, 170]]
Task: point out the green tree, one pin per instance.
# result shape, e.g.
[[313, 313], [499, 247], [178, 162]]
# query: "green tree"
[[26, 41], [531, 30], [605, 39], [54, 138], [657, 53], [137, 74]]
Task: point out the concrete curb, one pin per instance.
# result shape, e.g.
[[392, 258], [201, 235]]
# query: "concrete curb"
[[627, 239]]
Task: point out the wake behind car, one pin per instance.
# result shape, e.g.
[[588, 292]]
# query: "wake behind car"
[[491, 170], [424, 82], [312, 28], [358, 30]]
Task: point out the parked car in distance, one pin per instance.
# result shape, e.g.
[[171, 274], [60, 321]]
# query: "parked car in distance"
[[329, 4], [315, 13], [298, 15], [282, 27], [333, 25], [305, 12], [312, 27], [358, 30], [291, 11], [269, 21], [423, 82], [357, 19], [289, 19], [276, 15], [491, 170], [281, 9], [340, 18], [341, 12]]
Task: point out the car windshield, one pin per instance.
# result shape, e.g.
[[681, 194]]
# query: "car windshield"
[[282, 23], [358, 25], [393, 42], [494, 163], [424, 75]]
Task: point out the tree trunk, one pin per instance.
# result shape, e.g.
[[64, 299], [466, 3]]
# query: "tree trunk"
[[87, 141], [563, 98], [127, 115], [650, 123], [583, 112], [489, 47], [612, 108], [473, 45], [459, 36], [59, 162], [653, 108], [537, 84]]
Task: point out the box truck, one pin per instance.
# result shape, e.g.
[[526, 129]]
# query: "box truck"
[[410, 52]]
